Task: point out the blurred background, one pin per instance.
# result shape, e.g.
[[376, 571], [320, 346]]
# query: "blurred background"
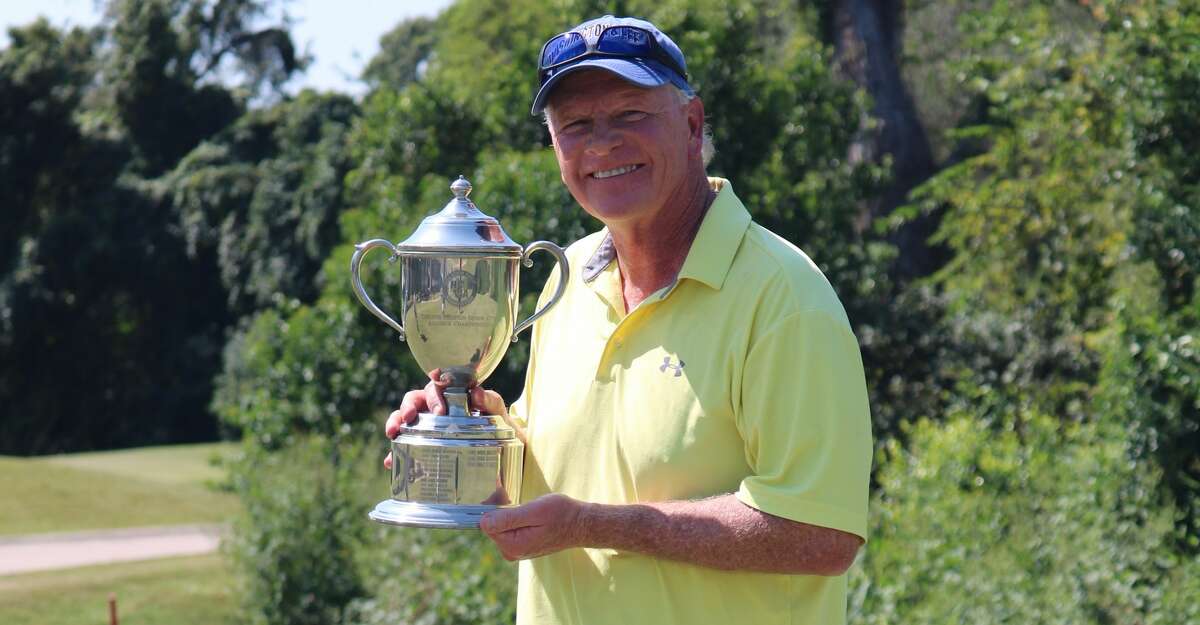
[[1004, 195]]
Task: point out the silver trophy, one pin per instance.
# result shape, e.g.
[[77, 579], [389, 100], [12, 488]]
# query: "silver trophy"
[[459, 294]]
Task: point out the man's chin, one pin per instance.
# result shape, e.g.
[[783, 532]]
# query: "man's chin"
[[613, 211]]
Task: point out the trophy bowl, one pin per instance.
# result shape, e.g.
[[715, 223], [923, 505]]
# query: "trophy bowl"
[[459, 296]]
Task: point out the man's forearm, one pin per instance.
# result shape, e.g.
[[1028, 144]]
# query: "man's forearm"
[[721, 533]]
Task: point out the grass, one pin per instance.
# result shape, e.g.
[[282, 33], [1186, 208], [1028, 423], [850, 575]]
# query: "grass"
[[180, 591], [113, 489]]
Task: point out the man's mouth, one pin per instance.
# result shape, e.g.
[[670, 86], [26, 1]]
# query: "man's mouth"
[[609, 173]]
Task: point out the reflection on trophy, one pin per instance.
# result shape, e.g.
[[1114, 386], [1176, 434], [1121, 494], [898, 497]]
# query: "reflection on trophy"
[[459, 295]]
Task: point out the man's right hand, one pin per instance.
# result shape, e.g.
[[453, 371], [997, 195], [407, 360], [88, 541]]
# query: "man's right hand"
[[429, 399]]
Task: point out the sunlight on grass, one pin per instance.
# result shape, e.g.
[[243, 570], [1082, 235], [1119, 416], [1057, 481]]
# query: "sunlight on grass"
[[129, 488], [169, 464], [180, 591]]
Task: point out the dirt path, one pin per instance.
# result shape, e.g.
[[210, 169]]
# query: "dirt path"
[[41, 552]]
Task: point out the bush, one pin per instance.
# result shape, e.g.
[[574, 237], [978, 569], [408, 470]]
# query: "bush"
[[297, 541], [1019, 521], [445, 577]]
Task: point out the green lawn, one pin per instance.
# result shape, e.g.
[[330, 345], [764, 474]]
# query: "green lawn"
[[112, 489], [180, 591]]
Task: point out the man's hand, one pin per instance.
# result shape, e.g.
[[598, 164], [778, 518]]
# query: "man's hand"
[[429, 399], [543, 526]]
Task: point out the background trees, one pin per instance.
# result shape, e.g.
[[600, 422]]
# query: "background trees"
[[112, 316], [1002, 193]]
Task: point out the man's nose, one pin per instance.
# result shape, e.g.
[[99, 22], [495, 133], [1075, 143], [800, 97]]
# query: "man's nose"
[[603, 139]]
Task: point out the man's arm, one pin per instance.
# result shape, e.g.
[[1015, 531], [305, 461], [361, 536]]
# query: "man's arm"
[[720, 532]]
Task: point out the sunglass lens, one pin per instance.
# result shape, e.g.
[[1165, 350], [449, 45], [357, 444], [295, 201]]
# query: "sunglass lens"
[[624, 40], [563, 48]]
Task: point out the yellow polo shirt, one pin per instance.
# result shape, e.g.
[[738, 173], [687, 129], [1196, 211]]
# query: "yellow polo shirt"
[[743, 376]]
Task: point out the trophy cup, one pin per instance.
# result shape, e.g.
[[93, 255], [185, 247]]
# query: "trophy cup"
[[459, 294]]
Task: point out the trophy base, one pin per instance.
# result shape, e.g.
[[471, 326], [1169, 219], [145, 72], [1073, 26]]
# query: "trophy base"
[[428, 515]]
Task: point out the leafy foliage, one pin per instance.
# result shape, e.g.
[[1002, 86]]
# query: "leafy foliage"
[[112, 313], [101, 342], [1019, 521], [404, 54], [264, 194], [425, 576], [295, 540], [1035, 399], [1076, 186]]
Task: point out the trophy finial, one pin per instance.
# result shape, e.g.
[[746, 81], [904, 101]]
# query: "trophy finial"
[[461, 187]]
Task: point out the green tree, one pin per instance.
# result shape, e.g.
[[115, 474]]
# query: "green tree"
[[264, 195], [100, 339], [1076, 185], [43, 76], [110, 332], [404, 54]]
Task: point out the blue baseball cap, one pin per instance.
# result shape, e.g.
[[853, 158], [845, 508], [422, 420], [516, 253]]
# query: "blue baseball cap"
[[646, 62]]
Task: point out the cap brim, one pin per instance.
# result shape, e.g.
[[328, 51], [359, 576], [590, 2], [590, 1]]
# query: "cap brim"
[[641, 72]]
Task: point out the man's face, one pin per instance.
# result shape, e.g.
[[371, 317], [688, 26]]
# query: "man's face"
[[624, 151]]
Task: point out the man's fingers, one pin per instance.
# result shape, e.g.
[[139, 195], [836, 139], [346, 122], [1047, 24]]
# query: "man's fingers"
[[490, 402], [430, 399], [433, 398], [489, 523], [502, 520], [413, 403], [517, 544], [394, 421], [387, 461], [487, 402]]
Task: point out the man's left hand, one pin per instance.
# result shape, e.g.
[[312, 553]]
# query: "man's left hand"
[[543, 526]]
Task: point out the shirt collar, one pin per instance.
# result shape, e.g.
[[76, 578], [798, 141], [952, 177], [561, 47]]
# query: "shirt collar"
[[713, 249]]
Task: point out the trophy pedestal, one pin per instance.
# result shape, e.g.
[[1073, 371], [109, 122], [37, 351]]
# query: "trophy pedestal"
[[447, 470]]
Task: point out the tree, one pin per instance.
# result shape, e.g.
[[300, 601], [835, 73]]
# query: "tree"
[[101, 343], [404, 54], [111, 332], [1077, 187], [263, 196]]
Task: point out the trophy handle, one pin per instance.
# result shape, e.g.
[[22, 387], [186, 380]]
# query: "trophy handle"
[[360, 252], [563, 273]]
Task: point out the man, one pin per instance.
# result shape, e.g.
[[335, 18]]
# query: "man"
[[695, 413]]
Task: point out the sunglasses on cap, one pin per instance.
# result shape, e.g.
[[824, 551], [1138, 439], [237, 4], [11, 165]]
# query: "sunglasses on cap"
[[614, 40]]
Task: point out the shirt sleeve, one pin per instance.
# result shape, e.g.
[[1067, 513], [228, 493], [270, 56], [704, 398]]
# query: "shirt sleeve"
[[806, 424]]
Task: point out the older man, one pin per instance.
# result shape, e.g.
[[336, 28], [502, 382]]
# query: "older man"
[[695, 412]]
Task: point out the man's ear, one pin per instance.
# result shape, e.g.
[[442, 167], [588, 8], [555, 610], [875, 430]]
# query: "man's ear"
[[695, 118], [553, 140]]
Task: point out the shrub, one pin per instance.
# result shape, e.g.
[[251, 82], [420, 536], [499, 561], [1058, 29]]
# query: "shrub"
[[1020, 521], [296, 541]]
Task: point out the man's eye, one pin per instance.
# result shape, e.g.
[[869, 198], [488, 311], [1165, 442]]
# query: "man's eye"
[[574, 126], [633, 116]]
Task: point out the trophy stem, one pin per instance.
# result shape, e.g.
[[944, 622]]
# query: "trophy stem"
[[456, 402]]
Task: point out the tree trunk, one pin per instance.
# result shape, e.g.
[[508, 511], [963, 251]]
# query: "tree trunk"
[[866, 35]]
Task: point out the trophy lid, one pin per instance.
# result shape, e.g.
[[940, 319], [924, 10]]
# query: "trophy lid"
[[460, 228]]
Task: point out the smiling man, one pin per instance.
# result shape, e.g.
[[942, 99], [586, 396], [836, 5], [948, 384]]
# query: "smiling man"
[[695, 413]]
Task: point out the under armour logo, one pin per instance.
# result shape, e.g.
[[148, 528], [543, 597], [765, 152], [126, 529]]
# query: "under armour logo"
[[667, 365]]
